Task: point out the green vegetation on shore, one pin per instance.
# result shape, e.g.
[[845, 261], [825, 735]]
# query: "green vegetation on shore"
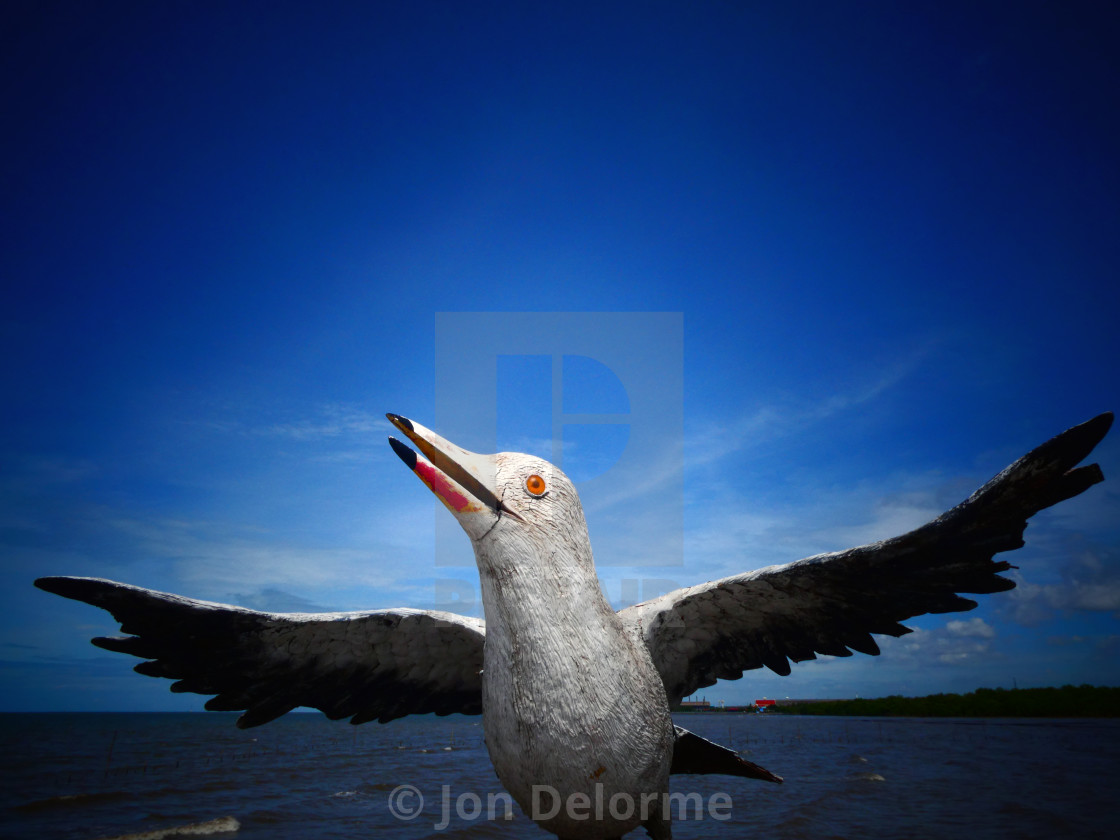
[[1067, 701]]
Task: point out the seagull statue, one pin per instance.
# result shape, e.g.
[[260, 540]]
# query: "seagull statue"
[[575, 696]]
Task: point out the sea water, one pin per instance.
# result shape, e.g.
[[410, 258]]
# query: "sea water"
[[303, 777]]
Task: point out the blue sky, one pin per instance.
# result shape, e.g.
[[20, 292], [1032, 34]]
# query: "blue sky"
[[889, 229]]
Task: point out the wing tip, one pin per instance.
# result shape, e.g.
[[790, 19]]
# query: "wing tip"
[[264, 713], [1102, 422], [75, 587], [1078, 441], [54, 584]]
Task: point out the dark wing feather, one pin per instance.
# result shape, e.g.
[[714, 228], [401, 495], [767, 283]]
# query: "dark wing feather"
[[833, 603], [376, 665]]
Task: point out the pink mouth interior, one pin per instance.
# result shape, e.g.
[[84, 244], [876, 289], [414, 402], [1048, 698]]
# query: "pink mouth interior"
[[442, 487]]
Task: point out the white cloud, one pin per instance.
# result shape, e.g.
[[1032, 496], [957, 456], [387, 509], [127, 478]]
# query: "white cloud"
[[710, 442], [328, 421], [1036, 602], [329, 432], [34, 473], [970, 628], [724, 539], [377, 561], [1089, 581], [767, 423], [957, 642]]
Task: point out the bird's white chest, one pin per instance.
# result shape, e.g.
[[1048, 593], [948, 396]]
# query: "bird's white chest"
[[572, 708]]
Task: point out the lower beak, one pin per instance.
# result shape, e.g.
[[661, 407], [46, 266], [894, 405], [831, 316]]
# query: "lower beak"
[[464, 481]]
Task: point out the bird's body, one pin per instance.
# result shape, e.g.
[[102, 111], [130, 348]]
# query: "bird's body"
[[572, 705], [576, 696], [572, 702]]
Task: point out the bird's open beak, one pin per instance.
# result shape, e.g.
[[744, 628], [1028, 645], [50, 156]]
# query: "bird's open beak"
[[464, 481]]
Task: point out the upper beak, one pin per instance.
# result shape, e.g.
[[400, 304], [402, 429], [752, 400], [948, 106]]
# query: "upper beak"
[[464, 481]]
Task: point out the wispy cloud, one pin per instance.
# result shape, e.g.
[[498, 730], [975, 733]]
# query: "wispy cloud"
[[957, 642], [671, 464], [273, 599], [215, 561], [765, 424], [33, 472], [331, 432], [725, 538], [329, 421], [976, 628], [1089, 582]]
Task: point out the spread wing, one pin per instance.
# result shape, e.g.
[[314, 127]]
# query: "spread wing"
[[833, 603], [383, 664]]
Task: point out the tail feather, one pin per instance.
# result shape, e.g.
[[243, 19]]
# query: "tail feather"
[[693, 754]]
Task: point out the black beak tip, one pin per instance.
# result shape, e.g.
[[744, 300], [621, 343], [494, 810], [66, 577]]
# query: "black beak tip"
[[403, 452], [402, 423]]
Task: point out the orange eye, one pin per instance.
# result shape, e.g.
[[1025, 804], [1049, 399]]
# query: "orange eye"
[[535, 485]]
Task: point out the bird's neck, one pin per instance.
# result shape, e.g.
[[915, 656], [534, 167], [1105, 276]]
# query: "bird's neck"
[[531, 578]]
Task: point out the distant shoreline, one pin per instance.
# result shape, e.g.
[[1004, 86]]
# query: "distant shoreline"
[[1084, 701]]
